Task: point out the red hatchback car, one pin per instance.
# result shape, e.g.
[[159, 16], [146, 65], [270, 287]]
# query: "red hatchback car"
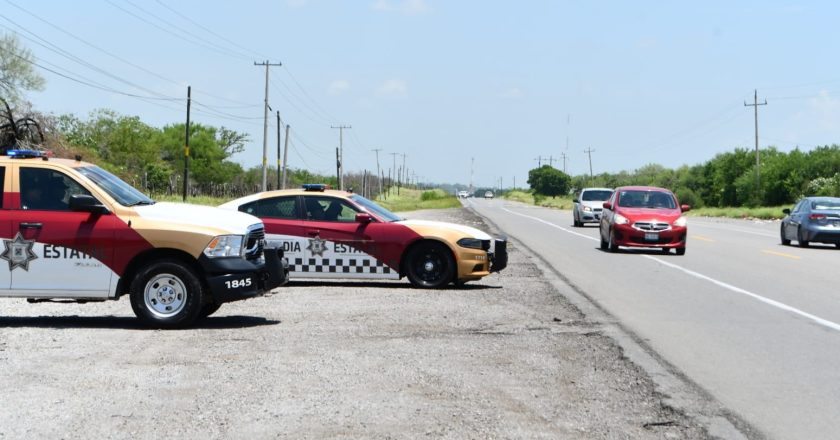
[[644, 216]]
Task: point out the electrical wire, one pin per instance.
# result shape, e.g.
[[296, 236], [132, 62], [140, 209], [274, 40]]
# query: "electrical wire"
[[180, 37]]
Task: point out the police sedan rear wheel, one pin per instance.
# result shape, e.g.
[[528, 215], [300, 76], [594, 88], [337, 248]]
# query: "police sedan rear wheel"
[[430, 265], [166, 293]]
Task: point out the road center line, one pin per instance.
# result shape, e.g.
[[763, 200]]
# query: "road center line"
[[795, 257], [765, 300]]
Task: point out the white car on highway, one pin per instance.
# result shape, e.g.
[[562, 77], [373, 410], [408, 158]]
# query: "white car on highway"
[[588, 205]]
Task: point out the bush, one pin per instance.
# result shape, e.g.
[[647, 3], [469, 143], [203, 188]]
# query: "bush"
[[688, 197], [431, 195]]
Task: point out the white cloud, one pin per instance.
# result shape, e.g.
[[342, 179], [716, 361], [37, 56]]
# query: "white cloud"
[[393, 87], [408, 7], [514, 93], [339, 86], [827, 109]]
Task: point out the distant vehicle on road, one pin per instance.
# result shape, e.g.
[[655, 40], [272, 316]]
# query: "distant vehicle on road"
[[643, 216], [463, 194], [813, 219], [588, 205], [488, 195]]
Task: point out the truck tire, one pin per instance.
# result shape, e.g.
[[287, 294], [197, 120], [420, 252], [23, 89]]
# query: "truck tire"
[[167, 294], [209, 309]]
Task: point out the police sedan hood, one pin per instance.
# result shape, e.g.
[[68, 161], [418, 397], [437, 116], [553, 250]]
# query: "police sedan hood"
[[222, 221], [428, 225]]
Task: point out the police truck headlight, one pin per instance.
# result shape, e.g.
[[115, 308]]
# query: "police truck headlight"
[[472, 243], [225, 246]]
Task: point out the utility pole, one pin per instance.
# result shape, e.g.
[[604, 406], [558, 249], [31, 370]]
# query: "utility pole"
[[589, 151], [377, 150], [563, 155], [390, 176], [285, 156], [539, 161], [755, 104], [186, 144], [338, 168], [278, 149], [551, 160], [472, 166], [265, 124], [341, 154], [404, 171]]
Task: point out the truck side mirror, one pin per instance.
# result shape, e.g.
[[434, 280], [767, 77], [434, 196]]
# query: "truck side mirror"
[[86, 203]]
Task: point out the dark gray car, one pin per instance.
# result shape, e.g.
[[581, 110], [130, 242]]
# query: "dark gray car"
[[813, 219]]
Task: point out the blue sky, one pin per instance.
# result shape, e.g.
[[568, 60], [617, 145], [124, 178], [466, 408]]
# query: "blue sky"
[[448, 81]]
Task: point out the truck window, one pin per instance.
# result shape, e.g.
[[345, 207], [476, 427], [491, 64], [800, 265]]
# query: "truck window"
[[46, 189]]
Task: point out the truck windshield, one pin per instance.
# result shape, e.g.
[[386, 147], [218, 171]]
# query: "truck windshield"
[[375, 209], [122, 192]]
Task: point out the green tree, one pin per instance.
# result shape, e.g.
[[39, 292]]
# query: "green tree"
[[549, 181], [16, 71], [210, 151]]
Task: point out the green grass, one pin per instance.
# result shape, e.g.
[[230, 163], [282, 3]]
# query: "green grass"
[[198, 200], [560, 202], [412, 200], [761, 212]]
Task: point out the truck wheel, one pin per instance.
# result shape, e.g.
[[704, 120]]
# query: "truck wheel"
[[166, 294], [430, 265], [209, 309]]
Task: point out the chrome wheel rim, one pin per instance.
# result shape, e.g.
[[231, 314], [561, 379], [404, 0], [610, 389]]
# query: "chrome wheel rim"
[[165, 295]]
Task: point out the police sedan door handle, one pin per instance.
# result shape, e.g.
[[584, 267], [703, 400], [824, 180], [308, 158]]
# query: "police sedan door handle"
[[31, 225], [313, 233]]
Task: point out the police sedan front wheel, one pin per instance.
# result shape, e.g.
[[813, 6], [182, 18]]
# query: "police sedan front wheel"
[[430, 265]]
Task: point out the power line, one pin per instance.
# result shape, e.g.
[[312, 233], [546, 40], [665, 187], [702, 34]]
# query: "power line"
[[168, 31]]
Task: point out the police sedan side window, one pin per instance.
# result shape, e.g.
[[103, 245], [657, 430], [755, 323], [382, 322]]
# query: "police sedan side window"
[[278, 207], [329, 209]]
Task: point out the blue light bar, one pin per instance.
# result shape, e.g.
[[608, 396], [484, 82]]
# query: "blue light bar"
[[314, 187], [25, 153]]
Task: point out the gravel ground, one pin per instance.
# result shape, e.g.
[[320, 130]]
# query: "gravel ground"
[[504, 357]]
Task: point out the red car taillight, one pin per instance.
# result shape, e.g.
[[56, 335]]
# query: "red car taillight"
[[817, 216]]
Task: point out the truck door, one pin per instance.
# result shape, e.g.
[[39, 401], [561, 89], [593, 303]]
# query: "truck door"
[[56, 252], [5, 228]]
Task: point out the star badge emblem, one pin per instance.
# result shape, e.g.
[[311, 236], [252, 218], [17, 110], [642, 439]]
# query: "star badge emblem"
[[317, 246], [18, 252]]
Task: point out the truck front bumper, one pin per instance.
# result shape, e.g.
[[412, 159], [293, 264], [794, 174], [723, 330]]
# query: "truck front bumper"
[[233, 279]]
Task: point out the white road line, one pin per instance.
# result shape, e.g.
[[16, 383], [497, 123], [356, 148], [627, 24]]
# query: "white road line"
[[824, 322]]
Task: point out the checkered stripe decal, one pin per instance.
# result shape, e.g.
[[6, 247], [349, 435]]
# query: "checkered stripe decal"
[[339, 265]]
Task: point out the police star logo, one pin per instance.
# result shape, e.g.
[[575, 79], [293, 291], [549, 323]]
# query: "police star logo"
[[18, 252], [317, 246]]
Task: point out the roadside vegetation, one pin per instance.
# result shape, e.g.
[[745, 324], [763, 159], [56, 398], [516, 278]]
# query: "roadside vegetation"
[[414, 199]]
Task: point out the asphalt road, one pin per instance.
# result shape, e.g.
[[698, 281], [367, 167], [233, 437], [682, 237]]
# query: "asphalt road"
[[754, 323]]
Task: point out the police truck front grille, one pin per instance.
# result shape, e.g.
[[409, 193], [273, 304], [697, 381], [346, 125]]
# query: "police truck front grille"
[[254, 243], [651, 226]]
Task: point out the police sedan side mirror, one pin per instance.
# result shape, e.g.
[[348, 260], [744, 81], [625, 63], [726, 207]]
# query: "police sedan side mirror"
[[607, 205], [786, 211], [685, 208], [576, 200], [86, 203], [363, 217]]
